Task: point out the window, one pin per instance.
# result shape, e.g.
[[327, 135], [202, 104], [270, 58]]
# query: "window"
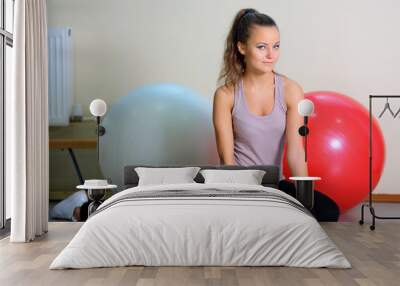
[[6, 44]]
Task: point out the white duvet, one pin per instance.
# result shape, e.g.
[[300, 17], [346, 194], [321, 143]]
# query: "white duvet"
[[200, 231]]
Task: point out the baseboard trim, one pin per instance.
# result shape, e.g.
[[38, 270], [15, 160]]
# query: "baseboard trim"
[[386, 198]]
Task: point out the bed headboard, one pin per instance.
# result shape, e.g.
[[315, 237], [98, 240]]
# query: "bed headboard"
[[270, 179]]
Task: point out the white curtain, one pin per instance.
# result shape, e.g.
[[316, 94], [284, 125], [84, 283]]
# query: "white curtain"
[[27, 147]]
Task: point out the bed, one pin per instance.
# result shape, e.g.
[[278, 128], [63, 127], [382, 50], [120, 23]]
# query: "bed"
[[198, 224]]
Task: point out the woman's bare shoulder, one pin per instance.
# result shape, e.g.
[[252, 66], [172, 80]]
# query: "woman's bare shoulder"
[[290, 84], [292, 90], [225, 93]]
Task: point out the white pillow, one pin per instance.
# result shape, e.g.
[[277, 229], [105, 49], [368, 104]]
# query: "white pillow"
[[162, 176], [249, 177]]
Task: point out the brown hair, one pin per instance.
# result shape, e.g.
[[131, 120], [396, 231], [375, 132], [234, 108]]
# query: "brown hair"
[[234, 64]]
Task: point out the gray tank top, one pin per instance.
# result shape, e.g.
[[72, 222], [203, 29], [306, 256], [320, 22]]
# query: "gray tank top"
[[259, 140]]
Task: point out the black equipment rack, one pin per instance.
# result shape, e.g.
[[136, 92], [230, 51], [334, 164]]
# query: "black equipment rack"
[[370, 201]]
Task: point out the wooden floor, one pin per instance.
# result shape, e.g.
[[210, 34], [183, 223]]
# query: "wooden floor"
[[374, 255]]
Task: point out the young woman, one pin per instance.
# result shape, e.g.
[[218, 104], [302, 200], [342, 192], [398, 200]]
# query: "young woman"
[[255, 110]]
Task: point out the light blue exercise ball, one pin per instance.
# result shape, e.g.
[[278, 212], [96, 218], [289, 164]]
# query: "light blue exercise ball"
[[161, 124]]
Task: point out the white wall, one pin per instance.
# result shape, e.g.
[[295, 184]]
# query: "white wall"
[[346, 46]]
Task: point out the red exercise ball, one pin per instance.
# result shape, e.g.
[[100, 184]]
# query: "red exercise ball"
[[338, 148]]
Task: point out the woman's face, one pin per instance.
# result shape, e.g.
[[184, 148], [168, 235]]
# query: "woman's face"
[[261, 51]]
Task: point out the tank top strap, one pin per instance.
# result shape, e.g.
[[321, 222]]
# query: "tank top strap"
[[280, 92], [238, 91]]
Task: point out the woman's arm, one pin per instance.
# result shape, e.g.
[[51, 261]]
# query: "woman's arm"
[[295, 150], [222, 120]]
